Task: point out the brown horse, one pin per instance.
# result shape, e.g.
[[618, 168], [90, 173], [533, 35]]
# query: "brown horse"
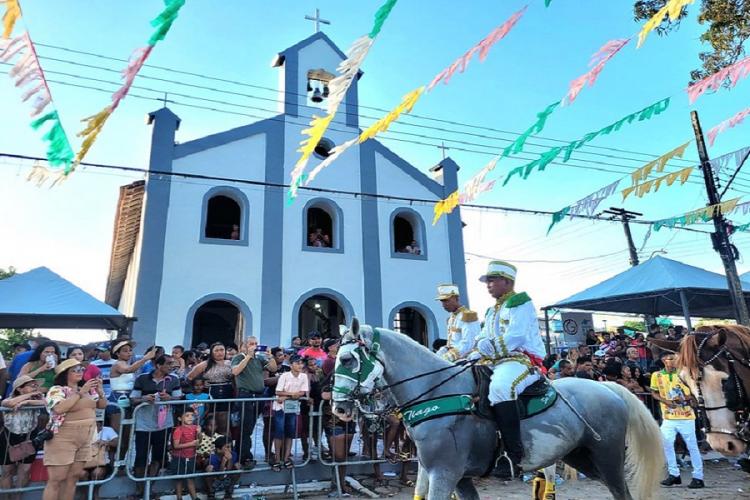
[[714, 361]]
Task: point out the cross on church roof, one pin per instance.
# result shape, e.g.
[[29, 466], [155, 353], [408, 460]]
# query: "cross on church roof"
[[444, 148], [318, 20]]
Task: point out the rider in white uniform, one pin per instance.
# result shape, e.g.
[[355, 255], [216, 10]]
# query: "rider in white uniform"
[[463, 325], [511, 344]]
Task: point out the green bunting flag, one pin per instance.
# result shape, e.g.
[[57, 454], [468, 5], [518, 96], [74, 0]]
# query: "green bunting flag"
[[557, 217], [541, 120], [380, 16], [59, 151], [546, 158]]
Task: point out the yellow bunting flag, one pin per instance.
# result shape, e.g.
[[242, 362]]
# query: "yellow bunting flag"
[[645, 187], [445, 206], [315, 133], [12, 14], [94, 125], [673, 8], [406, 105], [643, 172]]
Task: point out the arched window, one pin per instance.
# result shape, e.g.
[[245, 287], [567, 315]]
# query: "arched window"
[[323, 223], [408, 237], [225, 218], [217, 317]]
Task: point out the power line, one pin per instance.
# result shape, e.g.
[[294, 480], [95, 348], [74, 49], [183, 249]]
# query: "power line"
[[593, 257], [275, 90], [408, 141], [317, 189]]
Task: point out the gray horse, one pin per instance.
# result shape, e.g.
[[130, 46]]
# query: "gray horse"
[[621, 434]]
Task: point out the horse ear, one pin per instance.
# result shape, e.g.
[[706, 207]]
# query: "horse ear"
[[355, 328], [722, 337]]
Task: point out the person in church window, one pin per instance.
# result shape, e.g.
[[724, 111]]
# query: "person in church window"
[[413, 248], [235, 232], [319, 239]]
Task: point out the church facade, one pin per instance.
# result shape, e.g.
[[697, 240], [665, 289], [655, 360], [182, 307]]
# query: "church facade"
[[222, 254]]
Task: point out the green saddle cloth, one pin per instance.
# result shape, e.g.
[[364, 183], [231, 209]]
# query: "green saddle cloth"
[[536, 402]]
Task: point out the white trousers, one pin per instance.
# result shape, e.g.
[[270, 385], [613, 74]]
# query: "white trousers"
[[505, 384], [686, 429]]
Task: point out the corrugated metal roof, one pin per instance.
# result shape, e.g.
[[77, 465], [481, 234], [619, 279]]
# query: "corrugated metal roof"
[[126, 228]]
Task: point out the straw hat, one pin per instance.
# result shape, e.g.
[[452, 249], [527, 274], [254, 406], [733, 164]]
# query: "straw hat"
[[21, 381], [120, 345], [68, 363]]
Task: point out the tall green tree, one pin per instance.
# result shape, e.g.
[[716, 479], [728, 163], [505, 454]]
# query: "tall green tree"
[[11, 336], [728, 28]]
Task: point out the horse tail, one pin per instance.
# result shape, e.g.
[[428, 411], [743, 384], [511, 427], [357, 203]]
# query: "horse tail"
[[644, 457]]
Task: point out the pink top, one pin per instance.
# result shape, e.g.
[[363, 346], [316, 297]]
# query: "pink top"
[[289, 383]]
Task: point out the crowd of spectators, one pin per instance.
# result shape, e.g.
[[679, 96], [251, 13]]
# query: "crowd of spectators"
[[623, 357], [66, 411]]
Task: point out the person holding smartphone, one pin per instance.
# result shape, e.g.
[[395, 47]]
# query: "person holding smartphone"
[[247, 369], [41, 365]]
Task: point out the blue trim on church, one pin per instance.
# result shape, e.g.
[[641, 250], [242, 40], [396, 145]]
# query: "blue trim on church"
[[373, 286], [156, 206], [228, 136], [455, 229], [342, 301], [273, 231], [241, 199]]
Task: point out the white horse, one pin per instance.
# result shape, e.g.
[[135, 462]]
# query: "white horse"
[[606, 428]]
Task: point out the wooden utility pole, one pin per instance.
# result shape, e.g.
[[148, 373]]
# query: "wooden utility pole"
[[720, 237], [625, 216]]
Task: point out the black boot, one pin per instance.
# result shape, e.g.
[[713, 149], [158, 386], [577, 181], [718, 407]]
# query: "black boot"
[[509, 424]]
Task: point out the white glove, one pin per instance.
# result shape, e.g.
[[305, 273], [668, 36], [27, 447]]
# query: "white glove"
[[441, 352], [474, 355], [486, 347]]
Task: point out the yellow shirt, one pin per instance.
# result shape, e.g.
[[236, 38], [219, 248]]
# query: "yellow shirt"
[[669, 386]]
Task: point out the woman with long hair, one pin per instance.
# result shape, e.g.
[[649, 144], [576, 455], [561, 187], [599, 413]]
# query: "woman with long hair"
[[26, 402], [72, 408], [218, 376], [42, 363]]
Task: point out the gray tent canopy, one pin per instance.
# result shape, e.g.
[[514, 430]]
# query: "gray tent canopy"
[[42, 299], [659, 286]]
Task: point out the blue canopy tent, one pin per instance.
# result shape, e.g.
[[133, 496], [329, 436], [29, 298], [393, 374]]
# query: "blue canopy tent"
[[42, 299], [659, 287]]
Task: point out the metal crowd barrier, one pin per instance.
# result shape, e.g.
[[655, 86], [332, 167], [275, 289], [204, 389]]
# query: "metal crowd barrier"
[[257, 436], [89, 484]]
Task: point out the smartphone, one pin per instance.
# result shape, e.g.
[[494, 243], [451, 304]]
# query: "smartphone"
[[261, 348], [50, 359]]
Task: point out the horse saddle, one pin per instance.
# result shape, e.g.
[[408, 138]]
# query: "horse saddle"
[[535, 399]]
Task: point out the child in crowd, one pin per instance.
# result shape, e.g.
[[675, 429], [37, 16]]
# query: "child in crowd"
[[184, 442], [223, 459], [198, 393], [206, 442], [291, 387]]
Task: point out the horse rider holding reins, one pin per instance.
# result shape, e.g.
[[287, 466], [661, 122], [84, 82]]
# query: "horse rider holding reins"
[[510, 343]]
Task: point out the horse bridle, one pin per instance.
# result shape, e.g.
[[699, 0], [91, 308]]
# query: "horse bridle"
[[739, 390]]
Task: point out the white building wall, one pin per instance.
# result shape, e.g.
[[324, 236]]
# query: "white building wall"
[[407, 279], [304, 270], [207, 268]]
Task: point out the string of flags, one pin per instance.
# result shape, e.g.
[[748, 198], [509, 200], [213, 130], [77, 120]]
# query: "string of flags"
[[645, 187], [672, 7], [27, 74], [700, 215], [337, 89], [720, 162], [586, 205], [409, 100], [727, 124], [733, 73]]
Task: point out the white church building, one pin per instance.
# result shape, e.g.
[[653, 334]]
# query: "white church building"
[[200, 260]]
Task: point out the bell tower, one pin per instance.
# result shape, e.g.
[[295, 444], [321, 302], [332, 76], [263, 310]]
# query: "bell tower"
[[306, 70]]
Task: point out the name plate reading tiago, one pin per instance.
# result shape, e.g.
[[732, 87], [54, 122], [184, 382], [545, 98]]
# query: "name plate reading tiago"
[[438, 407]]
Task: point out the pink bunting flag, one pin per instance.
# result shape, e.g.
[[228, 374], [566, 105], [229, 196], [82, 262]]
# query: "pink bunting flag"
[[598, 60], [483, 47], [734, 73], [732, 122], [136, 62]]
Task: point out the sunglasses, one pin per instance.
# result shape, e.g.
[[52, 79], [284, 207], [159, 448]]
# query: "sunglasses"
[[78, 369]]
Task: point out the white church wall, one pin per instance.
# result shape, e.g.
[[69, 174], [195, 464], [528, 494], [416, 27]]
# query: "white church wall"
[[197, 268], [305, 268], [406, 278], [324, 57]]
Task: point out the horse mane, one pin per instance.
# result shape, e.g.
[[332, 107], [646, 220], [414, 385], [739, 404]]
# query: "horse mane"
[[687, 357]]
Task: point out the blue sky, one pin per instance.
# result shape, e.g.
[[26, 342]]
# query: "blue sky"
[[69, 228]]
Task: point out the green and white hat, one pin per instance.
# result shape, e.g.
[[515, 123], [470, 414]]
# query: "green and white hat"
[[446, 291], [499, 269]]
